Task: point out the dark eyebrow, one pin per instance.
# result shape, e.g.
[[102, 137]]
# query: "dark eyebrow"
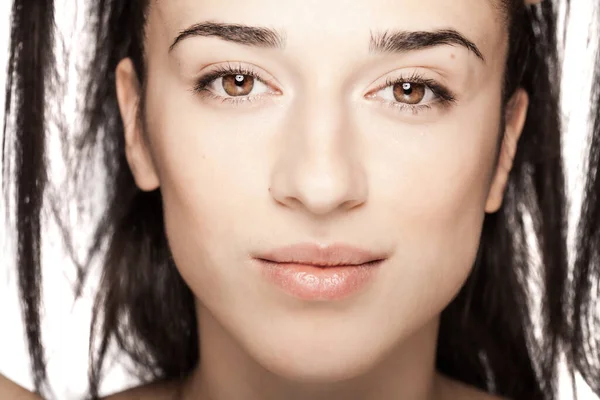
[[403, 41], [241, 34], [385, 42]]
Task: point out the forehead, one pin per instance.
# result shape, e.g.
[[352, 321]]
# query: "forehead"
[[316, 22], [501, 8]]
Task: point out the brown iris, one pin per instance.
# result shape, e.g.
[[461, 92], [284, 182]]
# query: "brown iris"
[[238, 85], [409, 93]]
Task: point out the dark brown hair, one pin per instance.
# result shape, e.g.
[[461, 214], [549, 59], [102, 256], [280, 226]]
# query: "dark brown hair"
[[486, 335]]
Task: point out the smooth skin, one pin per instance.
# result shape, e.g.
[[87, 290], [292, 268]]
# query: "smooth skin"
[[9, 390], [320, 151]]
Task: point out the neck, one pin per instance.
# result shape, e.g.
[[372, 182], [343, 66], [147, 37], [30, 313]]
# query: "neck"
[[226, 371]]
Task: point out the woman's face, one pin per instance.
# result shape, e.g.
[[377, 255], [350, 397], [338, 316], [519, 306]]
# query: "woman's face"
[[364, 122]]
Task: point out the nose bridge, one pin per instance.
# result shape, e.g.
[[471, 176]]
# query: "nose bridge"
[[324, 126], [319, 167]]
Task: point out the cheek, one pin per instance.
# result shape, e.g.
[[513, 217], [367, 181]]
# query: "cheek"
[[434, 183], [211, 177], [428, 185]]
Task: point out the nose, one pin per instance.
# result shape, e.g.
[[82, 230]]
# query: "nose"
[[319, 165]]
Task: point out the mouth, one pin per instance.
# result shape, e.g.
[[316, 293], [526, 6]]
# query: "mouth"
[[322, 256], [320, 273]]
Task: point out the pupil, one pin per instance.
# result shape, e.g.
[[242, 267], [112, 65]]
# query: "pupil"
[[239, 80], [407, 88]]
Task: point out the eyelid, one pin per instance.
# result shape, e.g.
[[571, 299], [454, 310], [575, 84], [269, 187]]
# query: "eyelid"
[[439, 89], [444, 97], [231, 68]]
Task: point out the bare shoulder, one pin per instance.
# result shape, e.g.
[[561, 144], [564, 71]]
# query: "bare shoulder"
[[451, 389], [153, 391], [10, 390]]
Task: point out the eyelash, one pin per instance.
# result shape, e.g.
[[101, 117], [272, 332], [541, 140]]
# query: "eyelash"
[[202, 84], [444, 97]]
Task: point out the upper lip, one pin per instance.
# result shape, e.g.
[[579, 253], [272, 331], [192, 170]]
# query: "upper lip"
[[318, 255]]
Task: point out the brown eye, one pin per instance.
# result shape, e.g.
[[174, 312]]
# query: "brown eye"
[[409, 93], [238, 85]]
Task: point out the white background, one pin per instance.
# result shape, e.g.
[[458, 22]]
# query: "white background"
[[65, 323]]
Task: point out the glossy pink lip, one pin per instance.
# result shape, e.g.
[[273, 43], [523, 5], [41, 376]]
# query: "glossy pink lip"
[[323, 256], [312, 272]]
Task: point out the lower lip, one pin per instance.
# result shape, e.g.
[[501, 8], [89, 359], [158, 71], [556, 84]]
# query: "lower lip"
[[309, 282]]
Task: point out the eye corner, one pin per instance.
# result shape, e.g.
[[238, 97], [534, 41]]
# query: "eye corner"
[[371, 94], [276, 91]]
